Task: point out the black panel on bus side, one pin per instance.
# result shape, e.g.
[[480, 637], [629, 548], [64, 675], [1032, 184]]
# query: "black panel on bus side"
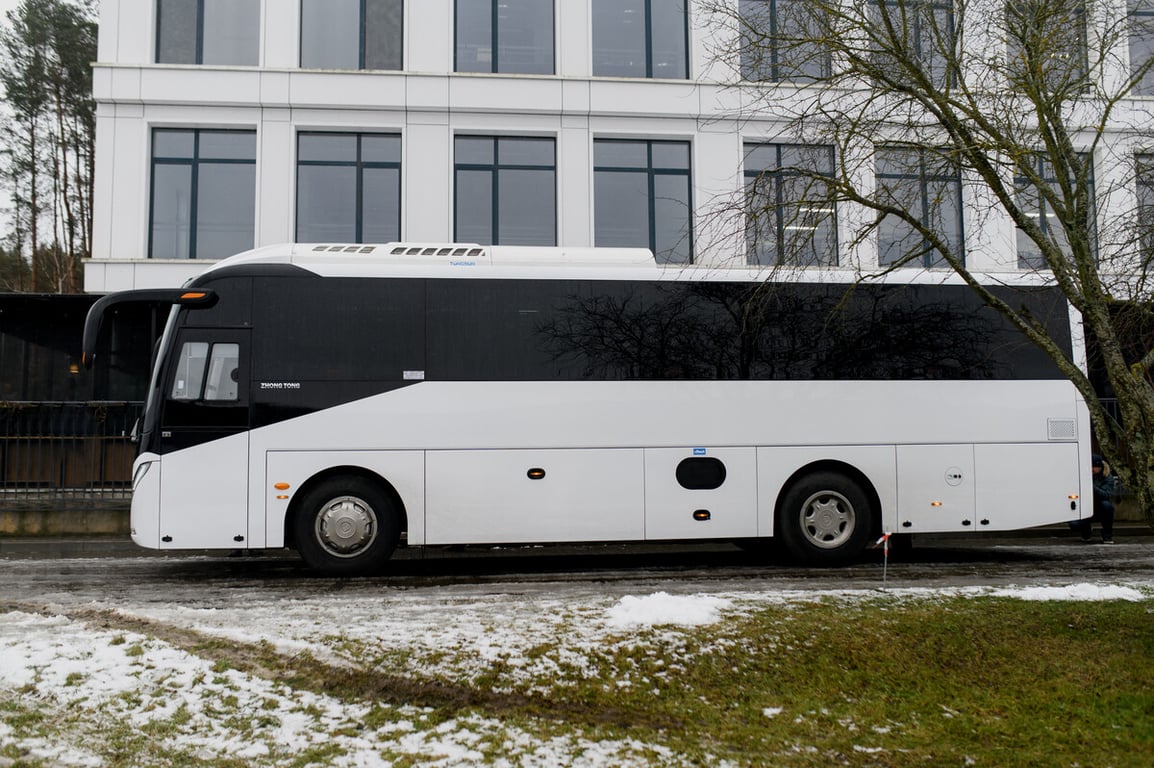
[[321, 342], [549, 330]]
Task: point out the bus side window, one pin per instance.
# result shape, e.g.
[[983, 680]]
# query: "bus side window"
[[221, 363], [222, 372], [190, 371]]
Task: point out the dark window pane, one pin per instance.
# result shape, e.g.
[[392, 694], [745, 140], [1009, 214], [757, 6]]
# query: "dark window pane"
[[621, 209], [326, 204], [621, 154], [671, 155], [1142, 45], [474, 150], [380, 149], [672, 219], [525, 36], [380, 210], [225, 209], [669, 39], [527, 207], [173, 144], [227, 145], [176, 31], [526, 152], [330, 34], [474, 207], [384, 34], [619, 35], [171, 211], [231, 32], [475, 35], [327, 147]]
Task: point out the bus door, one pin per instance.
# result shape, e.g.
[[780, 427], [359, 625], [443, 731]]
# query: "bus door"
[[203, 440]]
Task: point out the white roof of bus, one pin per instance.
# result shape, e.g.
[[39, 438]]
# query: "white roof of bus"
[[504, 261]]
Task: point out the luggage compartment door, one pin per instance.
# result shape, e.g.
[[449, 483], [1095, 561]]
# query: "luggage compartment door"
[[700, 493], [936, 488], [523, 496]]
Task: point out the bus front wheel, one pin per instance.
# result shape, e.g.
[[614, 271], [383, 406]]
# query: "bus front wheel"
[[346, 526], [824, 519]]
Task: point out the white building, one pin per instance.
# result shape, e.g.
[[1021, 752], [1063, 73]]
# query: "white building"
[[228, 124]]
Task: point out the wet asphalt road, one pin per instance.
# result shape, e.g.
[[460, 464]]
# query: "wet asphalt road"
[[65, 573]]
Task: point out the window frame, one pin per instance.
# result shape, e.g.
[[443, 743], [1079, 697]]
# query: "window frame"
[[495, 40], [198, 59], [1141, 20], [924, 179], [494, 169], [777, 176], [648, 52], [360, 165], [652, 173], [362, 39], [774, 71], [194, 162], [1080, 72], [1042, 166]]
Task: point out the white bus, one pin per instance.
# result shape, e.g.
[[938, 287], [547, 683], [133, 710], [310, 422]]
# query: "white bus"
[[344, 400]]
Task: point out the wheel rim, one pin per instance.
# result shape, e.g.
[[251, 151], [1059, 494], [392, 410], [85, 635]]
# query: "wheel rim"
[[828, 519], [346, 526]]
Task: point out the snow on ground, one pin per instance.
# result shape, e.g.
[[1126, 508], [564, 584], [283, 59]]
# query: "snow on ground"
[[145, 692]]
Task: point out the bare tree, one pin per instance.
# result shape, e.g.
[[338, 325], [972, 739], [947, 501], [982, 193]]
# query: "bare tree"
[[1013, 102], [46, 51]]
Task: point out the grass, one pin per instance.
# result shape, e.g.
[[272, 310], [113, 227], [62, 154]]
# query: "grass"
[[882, 682], [996, 682]]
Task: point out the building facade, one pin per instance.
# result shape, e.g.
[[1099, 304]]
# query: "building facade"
[[224, 125]]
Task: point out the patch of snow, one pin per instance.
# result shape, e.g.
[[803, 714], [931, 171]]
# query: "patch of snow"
[[662, 608], [1073, 592]]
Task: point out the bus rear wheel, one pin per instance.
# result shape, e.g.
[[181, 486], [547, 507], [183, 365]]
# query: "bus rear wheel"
[[346, 526], [824, 519]]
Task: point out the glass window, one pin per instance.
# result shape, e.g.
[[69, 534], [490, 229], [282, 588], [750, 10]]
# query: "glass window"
[[190, 367], [221, 364], [640, 38], [203, 201], [1047, 44], [1142, 45], [223, 367], [790, 218], [927, 186], [1033, 179], [925, 33], [208, 32], [1144, 176], [642, 197], [348, 188], [505, 36], [505, 190], [778, 41], [352, 34]]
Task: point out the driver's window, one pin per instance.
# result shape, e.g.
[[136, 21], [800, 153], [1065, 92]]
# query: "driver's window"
[[222, 372], [190, 371], [220, 361]]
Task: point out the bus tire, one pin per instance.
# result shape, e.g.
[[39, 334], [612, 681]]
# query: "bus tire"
[[346, 526], [825, 518]]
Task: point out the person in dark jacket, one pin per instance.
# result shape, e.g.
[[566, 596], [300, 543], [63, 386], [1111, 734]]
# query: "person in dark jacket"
[[1103, 504]]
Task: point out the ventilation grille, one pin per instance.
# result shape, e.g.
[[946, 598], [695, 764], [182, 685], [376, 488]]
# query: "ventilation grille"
[[405, 250], [1061, 429], [344, 248]]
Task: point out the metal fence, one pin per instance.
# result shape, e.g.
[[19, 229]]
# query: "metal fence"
[[66, 454]]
